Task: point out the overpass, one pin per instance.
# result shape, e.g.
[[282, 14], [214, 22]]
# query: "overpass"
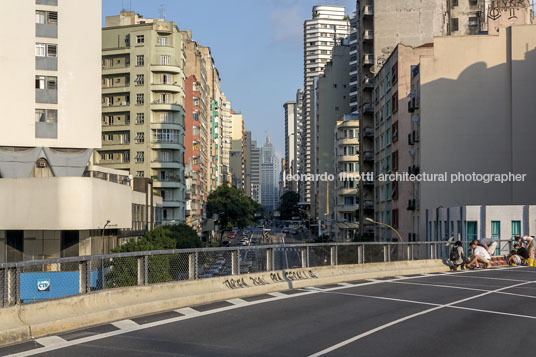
[[310, 310]]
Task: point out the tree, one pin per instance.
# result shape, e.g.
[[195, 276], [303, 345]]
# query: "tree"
[[288, 205], [161, 268], [234, 209]]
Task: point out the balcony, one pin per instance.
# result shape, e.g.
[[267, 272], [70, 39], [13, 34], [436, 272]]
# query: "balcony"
[[368, 205], [368, 10], [368, 35], [166, 87], [116, 104], [348, 158], [368, 83], [46, 30], [169, 106], [368, 156], [368, 108], [368, 60], [368, 132]]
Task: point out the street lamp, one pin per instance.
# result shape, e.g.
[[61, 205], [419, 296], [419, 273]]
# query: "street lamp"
[[383, 224], [102, 234]]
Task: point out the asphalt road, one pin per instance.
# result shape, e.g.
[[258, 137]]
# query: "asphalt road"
[[476, 313]]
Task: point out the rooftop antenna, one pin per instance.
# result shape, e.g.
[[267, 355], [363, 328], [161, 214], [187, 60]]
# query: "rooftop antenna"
[[161, 12], [127, 5]]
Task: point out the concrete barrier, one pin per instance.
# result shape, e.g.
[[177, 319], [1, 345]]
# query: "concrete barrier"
[[43, 318]]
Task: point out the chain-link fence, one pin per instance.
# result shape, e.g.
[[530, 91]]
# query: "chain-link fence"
[[29, 281]]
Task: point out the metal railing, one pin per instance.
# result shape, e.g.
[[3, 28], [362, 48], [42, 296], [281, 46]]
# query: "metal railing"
[[29, 281]]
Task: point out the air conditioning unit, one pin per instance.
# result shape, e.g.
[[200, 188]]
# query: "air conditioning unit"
[[123, 103]]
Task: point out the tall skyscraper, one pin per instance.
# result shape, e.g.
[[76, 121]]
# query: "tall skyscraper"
[[291, 147], [329, 24], [143, 123], [269, 177], [226, 133], [237, 170], [256, 189]]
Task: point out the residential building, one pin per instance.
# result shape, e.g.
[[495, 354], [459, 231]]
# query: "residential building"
[[56, 204], [255, 175], [143, 105], [354, 62], [332, 99], [346, 151], [300, 139], [237, 162], [196, 119], [247, 163], [328, 25], [291, 146], [226, 132], [269, 177], [394, 140], [487, 91]]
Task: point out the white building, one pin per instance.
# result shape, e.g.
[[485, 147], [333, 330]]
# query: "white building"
[[291, 148], [328, 25], [55, 204], [269, 177]]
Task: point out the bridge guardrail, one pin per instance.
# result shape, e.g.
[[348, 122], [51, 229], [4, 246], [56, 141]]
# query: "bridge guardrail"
[[29, 281]]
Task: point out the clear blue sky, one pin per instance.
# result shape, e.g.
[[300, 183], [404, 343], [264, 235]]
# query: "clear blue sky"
[[257, 46]]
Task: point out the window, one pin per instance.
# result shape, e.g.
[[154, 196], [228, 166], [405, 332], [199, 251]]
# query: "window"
[[46, 116], [394, 73], [196, 116], [165, 60], [140, 99], [140, 137], [140, 60], [395, 132], [46, 17], [140, 39], [454, 3], [394, 101], [140, 118], [395, 160], [140, 79], [394, 195], [42, 82], [162, 41], [140, 157], [453, 24], [165, 79], [164, 117], [496, 233], [395, 219], [52, 50], [140, 173], [40, 17], [40, 49], [516, 228], [471, 230]]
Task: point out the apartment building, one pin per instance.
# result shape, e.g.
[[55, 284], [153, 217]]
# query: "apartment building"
[[394, 140], [487, 90], [56, 203], [300, 139], [256, 188], [226, 139], [354, 62], [143, 105], [346, 150], [291, 148], [237, 161], [332, 99], [329, 24]]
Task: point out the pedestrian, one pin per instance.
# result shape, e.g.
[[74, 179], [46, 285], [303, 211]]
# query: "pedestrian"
[[489, 244], [514, 259], [457, 257], [480, 255], [522, 252], [528, 242]]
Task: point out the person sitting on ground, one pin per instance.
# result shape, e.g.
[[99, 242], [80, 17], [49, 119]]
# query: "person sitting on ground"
[[529, 243], [489, 244], [522, 252], [480, 255], [514, 259], [457, 256]]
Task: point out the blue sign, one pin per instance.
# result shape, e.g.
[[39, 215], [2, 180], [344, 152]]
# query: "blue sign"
[[43, 285]]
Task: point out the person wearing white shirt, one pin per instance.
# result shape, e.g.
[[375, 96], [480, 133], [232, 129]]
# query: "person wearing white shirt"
[[480, 255]]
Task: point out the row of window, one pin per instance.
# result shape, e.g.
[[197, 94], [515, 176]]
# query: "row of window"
[[46, 50], [161, 41], [46, 17]]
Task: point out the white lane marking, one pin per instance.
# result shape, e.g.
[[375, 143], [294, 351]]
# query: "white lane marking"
[[382, 327], [346, 284], [237, 301], [50, 341], [278, 294], [125, 324], [492, 312], [488, 277], [187, 311]]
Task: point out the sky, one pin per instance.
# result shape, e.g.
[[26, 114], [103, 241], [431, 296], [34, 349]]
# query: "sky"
[[257, 46]]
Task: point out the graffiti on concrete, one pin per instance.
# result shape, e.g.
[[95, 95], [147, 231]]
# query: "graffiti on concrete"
[[498, 7], [235, 283]]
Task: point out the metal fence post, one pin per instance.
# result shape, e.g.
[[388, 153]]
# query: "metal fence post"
[[3, 290], [192, 266], [360, 254], [304, 256], [269, 259], [83, 277], [235, 262], [431, 251], [13, 286], [143, 270], [333, 251], [386, 253]]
